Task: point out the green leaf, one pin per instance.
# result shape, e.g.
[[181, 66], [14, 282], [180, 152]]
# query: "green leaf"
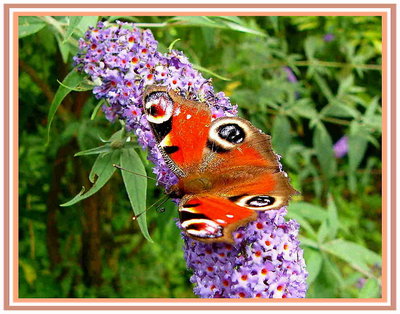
[[87, 21], [308, 211], [82, 87], [357, 256], [135, 185], [324, 150], [333, 220], [339, 110], [244, 29], [205, 70], [96, 109], [308, 242], [171, 46], [64, 48], [358, 142], [314, 263], [281, 137], [233, 19], [333, 272], [74, 78], [103, 168], [29, 271], [310, 46], [305, 225], [29, 25], [73, 23], [323, 232], [323, 85], [197, 21], [93, 151], [371, 289]]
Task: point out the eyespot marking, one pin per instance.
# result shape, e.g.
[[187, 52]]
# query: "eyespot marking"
[[260, 201], [231, 133], [203, 228], [158, 107]]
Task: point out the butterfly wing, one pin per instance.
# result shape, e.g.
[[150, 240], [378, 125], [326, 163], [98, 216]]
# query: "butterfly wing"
[[180, 127], [248, 171], [210, 218]]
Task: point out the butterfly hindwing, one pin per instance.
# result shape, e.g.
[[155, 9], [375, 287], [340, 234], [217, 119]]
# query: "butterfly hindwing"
[[212, 218]]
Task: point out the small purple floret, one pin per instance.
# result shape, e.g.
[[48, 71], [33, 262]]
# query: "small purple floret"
[[341, 147]]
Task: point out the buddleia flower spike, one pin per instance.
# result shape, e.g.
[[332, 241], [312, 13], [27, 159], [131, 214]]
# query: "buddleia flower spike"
[[265, 260]]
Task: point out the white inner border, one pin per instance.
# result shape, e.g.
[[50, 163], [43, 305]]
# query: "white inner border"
[[165, 305]]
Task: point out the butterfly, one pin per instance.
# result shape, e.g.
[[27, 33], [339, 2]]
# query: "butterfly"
[[226, 168]]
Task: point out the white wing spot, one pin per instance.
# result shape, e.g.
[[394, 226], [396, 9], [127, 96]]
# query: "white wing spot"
[[188, 116], [229, 216]]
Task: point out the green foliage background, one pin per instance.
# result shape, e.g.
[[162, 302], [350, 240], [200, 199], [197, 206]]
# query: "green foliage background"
[[93, 249]]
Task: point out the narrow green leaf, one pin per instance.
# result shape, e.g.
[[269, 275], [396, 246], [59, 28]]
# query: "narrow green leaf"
[[371, 289], [96, 109], [281, 134], [29, 25], [93, 151], [135, 185], [82, 87], [171, 46], [333, 220], [103, 168], [323, 232], [305, 225], [314, 263], [72, 79], [64, 48], [73, 23], [308, 211], [308, 242], [205, 70], [244, 29], [324, 150], [197, 21], [323, 85], [358, 142], [233, 19], [339, 110], [87, 21], [357, 256], [344, 85], [333, 272]]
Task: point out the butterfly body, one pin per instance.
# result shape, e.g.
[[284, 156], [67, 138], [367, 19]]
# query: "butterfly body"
[[226, 168]]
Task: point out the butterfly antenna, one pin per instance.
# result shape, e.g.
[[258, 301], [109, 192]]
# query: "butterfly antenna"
[[159, 203], [138, 174]]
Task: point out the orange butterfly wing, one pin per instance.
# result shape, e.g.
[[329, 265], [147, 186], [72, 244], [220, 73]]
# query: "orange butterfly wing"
[[227, 168], [180, 126]]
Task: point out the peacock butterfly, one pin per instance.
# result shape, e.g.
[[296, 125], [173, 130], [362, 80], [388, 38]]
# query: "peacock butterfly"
[[226, 168]]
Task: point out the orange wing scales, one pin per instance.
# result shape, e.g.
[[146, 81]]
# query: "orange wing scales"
[[189, 133]]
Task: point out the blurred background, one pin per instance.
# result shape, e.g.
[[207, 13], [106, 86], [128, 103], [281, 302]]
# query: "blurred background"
[[313, 83]]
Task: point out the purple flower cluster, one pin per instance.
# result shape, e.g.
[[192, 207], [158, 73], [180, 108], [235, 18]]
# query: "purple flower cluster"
[[266, 260]]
